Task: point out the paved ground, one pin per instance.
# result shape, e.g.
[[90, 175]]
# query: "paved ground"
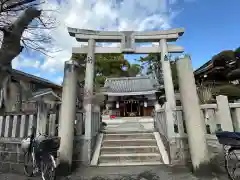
[[126, 173]]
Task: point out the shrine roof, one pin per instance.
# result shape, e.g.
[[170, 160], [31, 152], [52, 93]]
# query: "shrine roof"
[[204, 68], [46, 95], [128, 85]]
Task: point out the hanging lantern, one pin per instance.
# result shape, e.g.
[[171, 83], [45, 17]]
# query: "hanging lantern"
[[117, 105], [145, 103]]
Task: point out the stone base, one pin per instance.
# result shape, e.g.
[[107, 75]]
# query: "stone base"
[[179, 151], [180, 155], [9, 167], [80, 154], [12, 157], [215, 167], [64, 169]]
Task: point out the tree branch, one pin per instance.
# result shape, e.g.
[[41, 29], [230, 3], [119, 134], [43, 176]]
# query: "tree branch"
[[12, 35]]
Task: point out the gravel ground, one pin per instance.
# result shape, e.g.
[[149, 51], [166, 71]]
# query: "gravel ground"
[[126, 173]]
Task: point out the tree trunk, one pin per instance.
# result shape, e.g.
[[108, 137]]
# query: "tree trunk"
[[11, 48]]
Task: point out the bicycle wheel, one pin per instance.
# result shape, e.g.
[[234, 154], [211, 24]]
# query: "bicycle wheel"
[[48, 168], [28, 164], [232, 164]]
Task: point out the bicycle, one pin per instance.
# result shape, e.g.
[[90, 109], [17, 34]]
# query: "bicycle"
[[39, 151], [231, 146]]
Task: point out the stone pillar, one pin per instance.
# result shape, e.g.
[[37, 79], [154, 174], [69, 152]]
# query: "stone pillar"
[[67, 115], [167, 75], [169, 89], [42, 113], [223, 113], [192, 113], [88, 93]]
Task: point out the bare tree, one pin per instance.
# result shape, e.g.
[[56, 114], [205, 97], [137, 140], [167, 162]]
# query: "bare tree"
[[24, 25]]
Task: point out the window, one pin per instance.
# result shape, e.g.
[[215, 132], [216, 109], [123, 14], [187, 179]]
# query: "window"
[[18, 98], [33, 87]]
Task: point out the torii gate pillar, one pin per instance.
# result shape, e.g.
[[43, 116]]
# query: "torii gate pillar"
[[67, 116]]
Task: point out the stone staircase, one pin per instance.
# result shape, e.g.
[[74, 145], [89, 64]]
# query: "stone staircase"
[[130, 141], [129, 148], [124, 124]]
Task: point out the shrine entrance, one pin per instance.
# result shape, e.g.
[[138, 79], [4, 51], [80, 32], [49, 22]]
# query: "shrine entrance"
[[128, 45], [132, 108]]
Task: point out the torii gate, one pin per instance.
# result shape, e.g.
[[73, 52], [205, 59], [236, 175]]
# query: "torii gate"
[[127, 40]]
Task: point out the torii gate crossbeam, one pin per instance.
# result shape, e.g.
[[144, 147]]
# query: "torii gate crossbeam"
[[128, 40]]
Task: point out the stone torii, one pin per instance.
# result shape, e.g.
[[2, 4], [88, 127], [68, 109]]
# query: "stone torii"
[[128, 40]]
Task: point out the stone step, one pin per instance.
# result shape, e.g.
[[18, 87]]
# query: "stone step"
[[126, 158], [129, 142], [129, 136], [112, 164], [125, 127], [130, 125], [129, 149], [128, 121], [126, 132]]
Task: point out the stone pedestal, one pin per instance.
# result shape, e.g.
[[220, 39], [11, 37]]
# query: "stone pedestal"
[[67, 115], [194, 123], [88, 95]]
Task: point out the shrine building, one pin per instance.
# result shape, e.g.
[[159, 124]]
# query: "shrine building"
[[130, 96]]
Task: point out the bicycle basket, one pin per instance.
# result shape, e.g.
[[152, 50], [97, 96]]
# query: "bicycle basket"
[[228, 138], [50, 144]]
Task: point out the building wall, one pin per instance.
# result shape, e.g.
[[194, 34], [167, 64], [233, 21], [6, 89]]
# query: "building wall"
[[20, 91]]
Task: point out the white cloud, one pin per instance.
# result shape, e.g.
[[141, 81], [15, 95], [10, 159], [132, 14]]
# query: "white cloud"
[[121, 15], [25, 62], [59, 80], [137, 15], [55, 62]]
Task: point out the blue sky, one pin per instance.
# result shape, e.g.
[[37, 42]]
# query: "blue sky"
[[210, 27]]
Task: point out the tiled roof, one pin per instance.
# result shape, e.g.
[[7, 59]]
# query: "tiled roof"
[[205, 67], [45, 92], [130, 84], [20, 74]]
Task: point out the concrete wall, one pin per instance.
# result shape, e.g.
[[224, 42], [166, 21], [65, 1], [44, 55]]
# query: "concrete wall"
[[11, 156]]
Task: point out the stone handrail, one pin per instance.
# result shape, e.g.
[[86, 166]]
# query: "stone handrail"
[[18, 126], [209, 115]]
